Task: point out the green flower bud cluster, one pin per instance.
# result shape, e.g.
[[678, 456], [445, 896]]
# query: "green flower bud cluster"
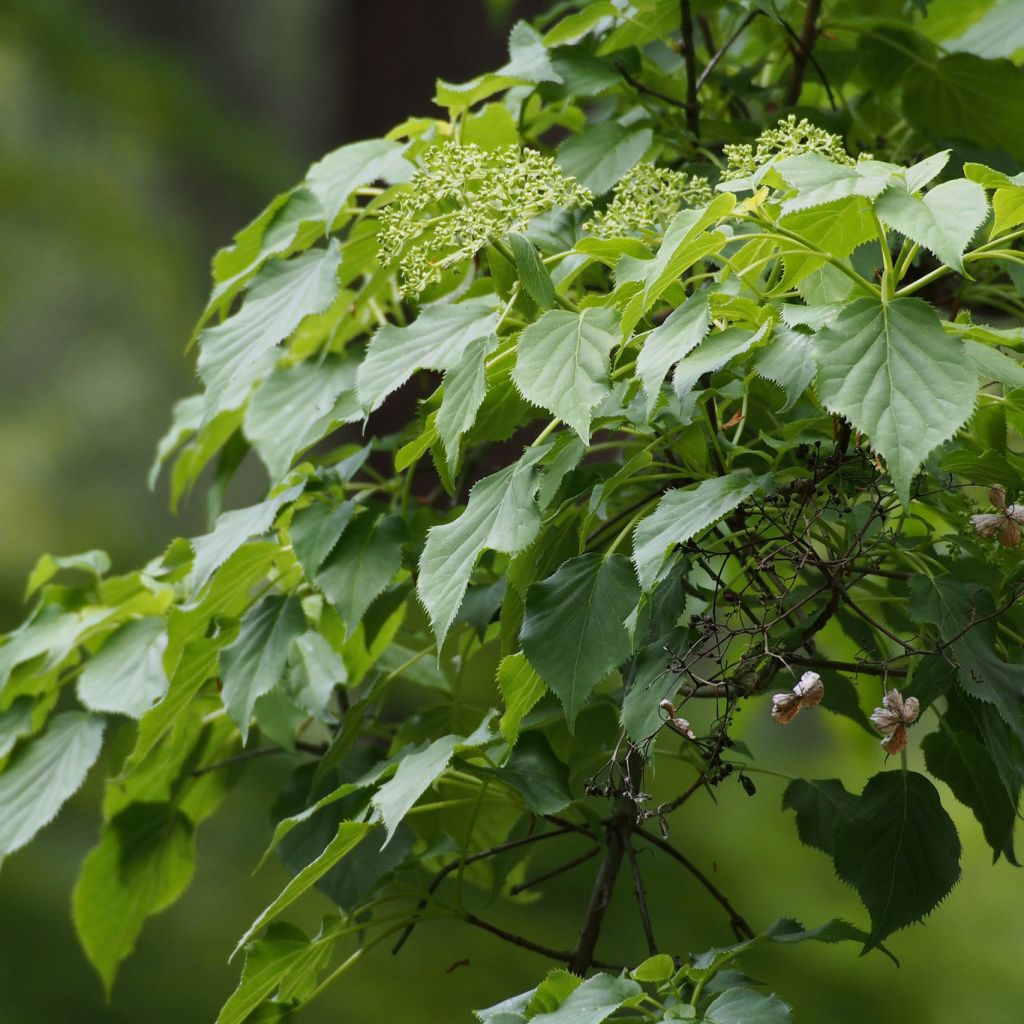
[[788, 138], [464, 197], [647, 199]]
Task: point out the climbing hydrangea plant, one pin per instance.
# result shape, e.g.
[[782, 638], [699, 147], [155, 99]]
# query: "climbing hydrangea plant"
[[702, 426]]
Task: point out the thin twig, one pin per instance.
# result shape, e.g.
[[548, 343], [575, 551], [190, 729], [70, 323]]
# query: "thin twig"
[[641, 900], [721, 52], [565, 956], [803, 54], [316, 749], [646, 89], [532, 883], [736, 920], [690, 60]]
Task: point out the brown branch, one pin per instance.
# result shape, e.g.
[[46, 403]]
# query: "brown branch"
[[865, 668], [641, 899], [803, 54], [739, 925], [565, 956], [532, 883], [690, 61], [646, 89], [492, 851], [600, 896]]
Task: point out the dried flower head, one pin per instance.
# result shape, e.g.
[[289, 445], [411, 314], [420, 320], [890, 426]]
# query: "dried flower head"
[[788, 138], [806, 694], [893, 718], [1005, 524], [464, 197], [676, 724], [646, 200]]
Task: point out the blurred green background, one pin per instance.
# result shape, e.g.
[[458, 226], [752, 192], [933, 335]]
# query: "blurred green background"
[[134, 140]]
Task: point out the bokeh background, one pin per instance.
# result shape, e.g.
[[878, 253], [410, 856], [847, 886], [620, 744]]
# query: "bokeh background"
[[135, 138]]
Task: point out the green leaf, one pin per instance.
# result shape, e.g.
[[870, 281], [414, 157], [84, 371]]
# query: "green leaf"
[[532, 272], [231, 531], [350, 834], [592, 1002], [521, 688], [994, 365], [965, 97], [254, 664], [94, 563], [416, 773], [819, 804], [361, 565], [233, 354], [333, 178], [142, 864], [962, 761], [575, 26], [787, 360], [683, 514], [683, 331], [562, 364], [574, 629], [819, 181], [465, 387], [16, 722], [436, 340], [537, 775], [126, 676], [501, 515], [836, 228], [745, 1006], [283, 960], [603, 153], [900, 851], [295, 407], [893, 372], [42, 774], [943, 221], [315, 530], [659, 967], [713, 354], [316, 669]]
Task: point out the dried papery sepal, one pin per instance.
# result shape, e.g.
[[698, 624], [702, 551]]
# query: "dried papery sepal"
[[892, 719], [807, 693]]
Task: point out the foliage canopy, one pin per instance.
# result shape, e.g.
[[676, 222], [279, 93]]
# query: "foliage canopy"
[[718, 410]]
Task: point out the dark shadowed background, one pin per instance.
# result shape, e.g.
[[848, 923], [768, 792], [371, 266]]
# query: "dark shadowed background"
[[135, 138]]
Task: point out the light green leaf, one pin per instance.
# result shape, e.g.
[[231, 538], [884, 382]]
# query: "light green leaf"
[[315, 530], [900, 851], [528, 58], [895, 374], [254, 664], [126, 676], [231, 531], [16, 722], [836, 228], [683, 331], [999, 32], [943, 221], [501, 515], [575, 26], [186, 419], [819, 181], [141, 865], [592, 1002], [574, 627], [918, 175], [415, 775], [532, 272], [713, 354], [521, 688], [361, 565], [788, 360], [683, 514], [562, 364], [994, 365], [602, 154], [333, 178], [659, 967], [94, 563], [436, 340], [42, 774], [232, 354], [350, 834], [747, 1006], [294, 407], [316, 669], [465, 387]]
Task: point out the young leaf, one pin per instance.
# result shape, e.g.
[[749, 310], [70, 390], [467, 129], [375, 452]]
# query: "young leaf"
[[532, 272], [254, 664], [893, 372], [574, 629], [126, 676], [788, 360], [592, 1002], [332, 179], [415, 775], [315, 530], [682, 514], [436, 340], [361, 565], [465, 387], [713, 354], [682, 332], [521, 688], [819, 181], [280, 296], [42, 774], [900, 851], [141, 865], [562, 364], [943, 221], [602, 154], [501, 514], [746, 1006]]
